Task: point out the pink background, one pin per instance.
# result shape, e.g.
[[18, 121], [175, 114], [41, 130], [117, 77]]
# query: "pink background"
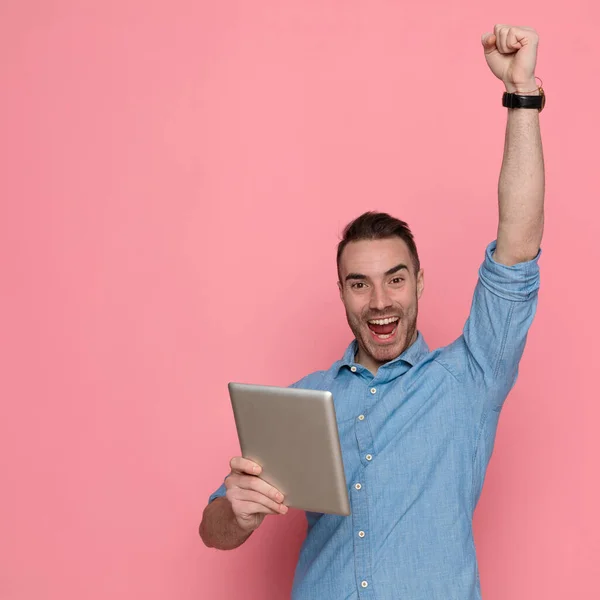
[[174, 178]]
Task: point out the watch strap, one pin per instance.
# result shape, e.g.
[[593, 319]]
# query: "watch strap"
[[520, 101]]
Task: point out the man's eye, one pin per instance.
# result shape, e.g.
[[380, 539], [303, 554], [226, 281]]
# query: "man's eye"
[[358, 285], [397, 280]]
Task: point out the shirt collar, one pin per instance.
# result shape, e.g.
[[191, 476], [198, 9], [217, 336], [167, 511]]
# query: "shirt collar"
[[412, 355]]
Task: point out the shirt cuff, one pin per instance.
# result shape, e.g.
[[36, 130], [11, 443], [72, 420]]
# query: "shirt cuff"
[[218, 493], [517, 283]]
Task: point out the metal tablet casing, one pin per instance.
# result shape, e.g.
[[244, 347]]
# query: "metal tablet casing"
[[292, 433]]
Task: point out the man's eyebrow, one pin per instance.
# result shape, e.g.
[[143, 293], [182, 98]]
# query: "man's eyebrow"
[[355, 276], [386, 274], [396, 269]]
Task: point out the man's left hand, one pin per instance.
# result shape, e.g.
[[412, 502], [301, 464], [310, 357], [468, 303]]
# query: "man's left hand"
[[511, 54]]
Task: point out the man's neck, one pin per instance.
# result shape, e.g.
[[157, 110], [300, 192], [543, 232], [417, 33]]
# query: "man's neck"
[[362, 358]]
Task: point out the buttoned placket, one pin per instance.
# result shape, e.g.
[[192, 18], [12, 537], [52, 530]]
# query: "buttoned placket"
[[360, 498]]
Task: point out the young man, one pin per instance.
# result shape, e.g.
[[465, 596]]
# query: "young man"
[[416, 427]]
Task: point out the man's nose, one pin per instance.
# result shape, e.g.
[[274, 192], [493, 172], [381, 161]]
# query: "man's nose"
[[380, 299]]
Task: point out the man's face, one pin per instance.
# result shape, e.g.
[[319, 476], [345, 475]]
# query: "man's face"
[[380, 292]]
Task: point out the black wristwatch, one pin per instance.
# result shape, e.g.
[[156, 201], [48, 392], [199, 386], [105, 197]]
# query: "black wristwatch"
[[520, 101]]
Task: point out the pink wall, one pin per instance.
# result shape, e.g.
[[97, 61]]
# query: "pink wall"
[[174, 176]]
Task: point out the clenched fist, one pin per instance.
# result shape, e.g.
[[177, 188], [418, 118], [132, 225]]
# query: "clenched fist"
[[511, 54]]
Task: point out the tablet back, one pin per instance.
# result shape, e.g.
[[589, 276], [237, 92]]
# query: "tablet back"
[[293, 435]]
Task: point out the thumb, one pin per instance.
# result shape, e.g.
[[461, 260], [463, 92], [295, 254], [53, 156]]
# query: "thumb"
[[488, 41]]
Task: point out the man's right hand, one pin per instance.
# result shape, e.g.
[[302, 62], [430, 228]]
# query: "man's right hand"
[[251, 498]]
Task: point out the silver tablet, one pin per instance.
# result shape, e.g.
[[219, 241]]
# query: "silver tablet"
[[292, 434]]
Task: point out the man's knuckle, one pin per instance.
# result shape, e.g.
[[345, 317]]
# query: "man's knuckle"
[[241, 482]]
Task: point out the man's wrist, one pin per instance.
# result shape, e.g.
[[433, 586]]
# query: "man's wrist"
[[530, 88]]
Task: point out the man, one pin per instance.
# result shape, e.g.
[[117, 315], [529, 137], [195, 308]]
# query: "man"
[[416, 427]]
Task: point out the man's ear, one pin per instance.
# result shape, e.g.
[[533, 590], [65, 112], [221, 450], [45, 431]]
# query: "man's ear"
[[341, 289], [420, 282]]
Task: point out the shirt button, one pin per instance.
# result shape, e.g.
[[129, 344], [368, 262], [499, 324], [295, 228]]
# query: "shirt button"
[[364, 583], [373, 390], [369, 457], [358, 486], [361, 417], [353, 369], [361, 534]]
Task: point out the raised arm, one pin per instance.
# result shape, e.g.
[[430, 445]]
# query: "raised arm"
[[488, 353], [511, 53]]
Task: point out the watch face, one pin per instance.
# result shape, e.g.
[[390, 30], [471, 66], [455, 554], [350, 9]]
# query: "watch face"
[[542, 99]]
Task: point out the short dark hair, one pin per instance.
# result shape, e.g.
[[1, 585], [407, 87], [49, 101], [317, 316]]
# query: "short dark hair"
[[378, 226]]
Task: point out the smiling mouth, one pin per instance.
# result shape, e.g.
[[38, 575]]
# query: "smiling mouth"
[[383, 329]]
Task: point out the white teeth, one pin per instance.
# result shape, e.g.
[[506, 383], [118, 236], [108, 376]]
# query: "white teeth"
[[384, 321], [384, 336]]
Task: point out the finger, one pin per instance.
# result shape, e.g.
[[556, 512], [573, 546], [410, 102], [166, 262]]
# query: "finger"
[[244, 465], [249, 482], [489, 42], [497, 31], [502, 42], [499, 27], [513, 40], [240, 498], [249, 509]]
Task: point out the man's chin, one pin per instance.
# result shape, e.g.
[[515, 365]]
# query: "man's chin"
[[385, 352]]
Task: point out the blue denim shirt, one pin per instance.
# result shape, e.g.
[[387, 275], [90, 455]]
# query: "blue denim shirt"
[[416, 441]]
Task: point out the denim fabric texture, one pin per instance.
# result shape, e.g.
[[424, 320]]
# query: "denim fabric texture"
[[416, 441]]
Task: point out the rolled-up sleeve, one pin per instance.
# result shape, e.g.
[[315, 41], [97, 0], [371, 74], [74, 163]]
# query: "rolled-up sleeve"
[[219, 493], [504, 304]]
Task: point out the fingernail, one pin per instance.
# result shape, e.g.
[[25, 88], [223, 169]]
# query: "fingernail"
[[279, 497], [283, 508], [256, 470]]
